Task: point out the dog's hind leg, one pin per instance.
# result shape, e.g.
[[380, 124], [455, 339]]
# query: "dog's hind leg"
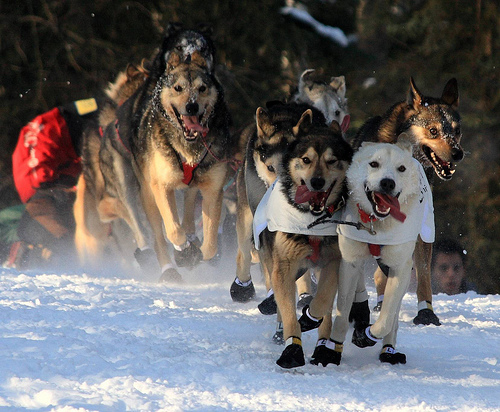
[[322, 302], [212, 194], [423, 256], [397, 285], [242, 288]]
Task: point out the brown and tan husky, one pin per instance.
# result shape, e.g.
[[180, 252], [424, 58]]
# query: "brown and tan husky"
[[434, 127]]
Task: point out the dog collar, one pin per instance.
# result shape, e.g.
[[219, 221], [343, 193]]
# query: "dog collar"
[[365, 217]]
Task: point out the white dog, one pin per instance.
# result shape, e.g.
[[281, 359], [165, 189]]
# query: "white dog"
[[390, 195]]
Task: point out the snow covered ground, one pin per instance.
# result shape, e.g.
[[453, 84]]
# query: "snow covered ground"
[[73, 342]]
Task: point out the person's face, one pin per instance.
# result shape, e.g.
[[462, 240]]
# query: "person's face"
[[448, 272]]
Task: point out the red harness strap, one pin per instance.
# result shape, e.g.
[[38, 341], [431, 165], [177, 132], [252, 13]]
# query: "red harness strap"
[[374, 250], [188, 172], [314, 242], [365, 218]]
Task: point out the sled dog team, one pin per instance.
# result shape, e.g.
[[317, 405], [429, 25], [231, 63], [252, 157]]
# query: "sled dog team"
[[310, 204]]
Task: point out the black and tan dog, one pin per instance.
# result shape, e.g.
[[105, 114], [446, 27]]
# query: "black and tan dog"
[[434, 126], [180, 140], [274, 129], [310, 186], [171, 134]]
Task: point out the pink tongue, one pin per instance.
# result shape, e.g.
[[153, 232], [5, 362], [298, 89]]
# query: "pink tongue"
[[392, 203], [345, 123], [303, 194], [192, 123]]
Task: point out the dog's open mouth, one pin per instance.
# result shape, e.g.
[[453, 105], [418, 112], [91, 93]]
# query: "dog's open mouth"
[[442, 168], [384, 205], [317, 200], [191, 126]]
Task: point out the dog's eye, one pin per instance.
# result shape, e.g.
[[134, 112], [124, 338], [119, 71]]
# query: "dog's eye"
[[270, 168], [331, 162], [306, 160], [401, 168], [458, 131], [374, 164], [179, 48], [202, 89], [178, 89], [337, 112], [433, 131]]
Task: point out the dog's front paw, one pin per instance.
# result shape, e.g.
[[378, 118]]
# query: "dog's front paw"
[[268, 306], [171, 275], [326, 352], [362, 338], [389, 355], [307, 322], [426, 317], [189, 256], [360, 314], [242, 292], [293, 355]]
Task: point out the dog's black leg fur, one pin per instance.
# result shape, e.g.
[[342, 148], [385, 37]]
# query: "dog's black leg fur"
[[389, 355], [325, 355], [293, 355], [307, 322]]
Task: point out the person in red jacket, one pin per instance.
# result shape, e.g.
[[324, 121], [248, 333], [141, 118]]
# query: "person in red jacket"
[[46, 164]]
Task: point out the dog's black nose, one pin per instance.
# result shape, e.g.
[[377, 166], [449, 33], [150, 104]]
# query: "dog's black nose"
[[192, 108], [387, 185], [317, 183], [457, 154]]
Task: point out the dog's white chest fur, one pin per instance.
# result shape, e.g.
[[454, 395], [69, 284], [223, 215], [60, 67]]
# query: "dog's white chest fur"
[[419, 210], [276, 214]]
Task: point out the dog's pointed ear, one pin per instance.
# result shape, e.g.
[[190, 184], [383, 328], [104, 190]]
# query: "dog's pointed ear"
[[338, 84], [132, 71], [414, 97], [450, 93], [405, 142], [335, 127], [305, 78], [304, 123], [145, 67], [263, 121]]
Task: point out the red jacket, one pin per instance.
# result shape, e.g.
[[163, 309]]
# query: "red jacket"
[[44, 153]]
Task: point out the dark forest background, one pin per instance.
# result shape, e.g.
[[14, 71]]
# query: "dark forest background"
[[56, 51]]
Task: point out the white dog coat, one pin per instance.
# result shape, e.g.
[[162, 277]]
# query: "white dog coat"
[[276, 214]]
